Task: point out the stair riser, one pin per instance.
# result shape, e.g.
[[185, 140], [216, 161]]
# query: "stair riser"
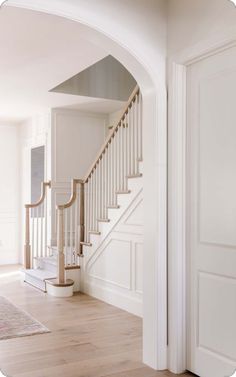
[[45, 265], [49, 266], [39, 284]]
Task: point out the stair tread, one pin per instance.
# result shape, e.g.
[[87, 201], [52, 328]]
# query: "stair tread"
[[123, 192], [138, 175], [115, 206], [85, 243], [51, 260], [40, 274]]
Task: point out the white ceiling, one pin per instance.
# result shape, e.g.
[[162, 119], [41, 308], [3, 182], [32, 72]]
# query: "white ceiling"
[[37, 53]]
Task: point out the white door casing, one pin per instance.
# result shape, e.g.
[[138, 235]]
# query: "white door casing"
[[179, 63]]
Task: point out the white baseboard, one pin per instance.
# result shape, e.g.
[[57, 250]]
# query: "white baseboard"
[[112, 297], [4, 261]]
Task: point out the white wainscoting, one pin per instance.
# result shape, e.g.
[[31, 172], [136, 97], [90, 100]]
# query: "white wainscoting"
[[114, 271]]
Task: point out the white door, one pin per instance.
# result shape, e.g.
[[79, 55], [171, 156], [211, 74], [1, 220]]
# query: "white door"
[[211, 215]]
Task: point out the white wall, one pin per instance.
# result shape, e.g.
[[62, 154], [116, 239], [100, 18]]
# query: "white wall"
[[113, 118], [190, 22], [76, 140], [9, 194]]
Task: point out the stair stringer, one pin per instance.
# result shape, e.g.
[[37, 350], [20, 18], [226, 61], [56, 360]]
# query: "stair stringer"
[[121, 289]]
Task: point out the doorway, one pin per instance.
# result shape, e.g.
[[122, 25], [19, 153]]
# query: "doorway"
[[211, 215]]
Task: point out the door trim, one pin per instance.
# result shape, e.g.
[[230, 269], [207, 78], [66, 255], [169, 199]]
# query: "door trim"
[[177, 143]]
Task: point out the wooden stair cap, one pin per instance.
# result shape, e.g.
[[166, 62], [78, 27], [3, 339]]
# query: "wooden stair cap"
[[72, 267], [55, 282]]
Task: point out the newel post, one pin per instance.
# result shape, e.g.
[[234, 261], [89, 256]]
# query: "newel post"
[[60, 245], [27, 248], [81, 219]]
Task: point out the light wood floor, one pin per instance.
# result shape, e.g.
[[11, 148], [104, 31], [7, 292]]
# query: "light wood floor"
[[88, 337]]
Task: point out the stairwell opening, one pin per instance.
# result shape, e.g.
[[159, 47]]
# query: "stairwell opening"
[[154, 171]]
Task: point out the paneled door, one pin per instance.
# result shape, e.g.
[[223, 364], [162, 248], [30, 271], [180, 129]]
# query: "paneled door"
[[211, 215]]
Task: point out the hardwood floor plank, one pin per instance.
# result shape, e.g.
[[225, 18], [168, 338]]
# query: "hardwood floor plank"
[[88, 338]]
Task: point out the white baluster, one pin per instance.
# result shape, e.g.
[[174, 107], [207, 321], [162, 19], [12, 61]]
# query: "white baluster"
[[76, 225], [90, 198], [106, 183], [140, 128], [95, 199], [99, 189], [108, 174], [66, 234], [112, 197], [89, 207], [102, 186], [92, 203], [37, 232], [133, 138], [71, 235], [32, 214], [115, 164], [130, 141], [46, 227], [125, 154], [118, 159], [86, 211], [41, 230]]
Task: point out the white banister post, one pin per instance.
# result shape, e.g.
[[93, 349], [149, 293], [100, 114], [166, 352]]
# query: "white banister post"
[[60, 246], [27, 251]]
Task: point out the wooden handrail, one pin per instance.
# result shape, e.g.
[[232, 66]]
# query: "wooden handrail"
[[42, 196], [72, 199], [113, 131], [28, 207]]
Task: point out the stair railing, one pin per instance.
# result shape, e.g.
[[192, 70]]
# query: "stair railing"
[[117, 160], [36, 228], [70, 229], [108, 176]]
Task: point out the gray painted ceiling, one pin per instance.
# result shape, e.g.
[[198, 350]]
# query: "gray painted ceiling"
[[107, 79]]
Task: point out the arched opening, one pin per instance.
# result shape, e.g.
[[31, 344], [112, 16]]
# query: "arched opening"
[[154, 120]]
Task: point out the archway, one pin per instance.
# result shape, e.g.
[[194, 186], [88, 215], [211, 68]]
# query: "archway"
[[150, 76]]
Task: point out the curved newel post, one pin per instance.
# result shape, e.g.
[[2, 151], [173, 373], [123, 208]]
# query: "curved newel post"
[[27, 248], [28, 208]]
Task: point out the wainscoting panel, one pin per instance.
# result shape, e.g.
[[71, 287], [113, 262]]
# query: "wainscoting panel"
[[113, 271]]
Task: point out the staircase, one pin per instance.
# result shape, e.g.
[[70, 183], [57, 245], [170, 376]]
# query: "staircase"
[[96, 206]]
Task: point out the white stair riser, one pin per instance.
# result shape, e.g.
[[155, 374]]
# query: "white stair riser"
[[60, 292], [40, 284], [49, 266]]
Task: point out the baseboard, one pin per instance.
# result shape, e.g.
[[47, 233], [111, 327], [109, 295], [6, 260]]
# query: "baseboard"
[[114, 298]]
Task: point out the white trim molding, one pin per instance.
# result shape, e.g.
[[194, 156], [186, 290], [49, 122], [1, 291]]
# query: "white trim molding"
[[233, 1], [177, 323]]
